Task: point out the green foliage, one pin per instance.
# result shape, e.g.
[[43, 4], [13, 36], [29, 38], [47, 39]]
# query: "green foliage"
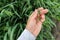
[[14, 15]]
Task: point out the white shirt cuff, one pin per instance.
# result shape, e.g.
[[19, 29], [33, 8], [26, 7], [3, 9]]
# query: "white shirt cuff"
[[26, 35]]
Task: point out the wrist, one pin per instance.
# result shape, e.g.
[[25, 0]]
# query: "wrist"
[[35, 33]]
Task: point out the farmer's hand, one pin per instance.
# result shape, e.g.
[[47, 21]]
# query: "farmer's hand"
[[34, 25]]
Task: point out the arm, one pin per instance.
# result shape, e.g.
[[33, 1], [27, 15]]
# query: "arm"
[[26, 35], [34, 25]]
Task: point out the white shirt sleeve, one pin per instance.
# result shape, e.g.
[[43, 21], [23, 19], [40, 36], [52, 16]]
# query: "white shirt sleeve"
[[26, 35]]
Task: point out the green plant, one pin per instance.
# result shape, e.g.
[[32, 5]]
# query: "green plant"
[[14, 15]]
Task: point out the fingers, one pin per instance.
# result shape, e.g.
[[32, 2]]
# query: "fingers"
[[41, 8], [42, 14], [42, 18], [42, 11], [34, 14]]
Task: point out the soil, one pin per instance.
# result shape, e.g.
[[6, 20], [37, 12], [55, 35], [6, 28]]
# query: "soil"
[[56, 30]]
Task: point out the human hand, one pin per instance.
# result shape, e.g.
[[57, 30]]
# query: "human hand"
[[34, 25]]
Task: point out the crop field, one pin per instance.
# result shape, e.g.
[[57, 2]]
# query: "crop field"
[[14, 15]]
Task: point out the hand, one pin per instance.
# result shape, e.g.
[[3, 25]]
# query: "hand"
[[34, 25]]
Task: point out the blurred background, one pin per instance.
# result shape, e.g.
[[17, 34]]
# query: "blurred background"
[[14, 15]]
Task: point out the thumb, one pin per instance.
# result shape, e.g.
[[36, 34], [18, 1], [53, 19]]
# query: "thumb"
[[44, 11]]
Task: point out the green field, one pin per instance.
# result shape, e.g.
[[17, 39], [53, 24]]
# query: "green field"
[[14, 15]]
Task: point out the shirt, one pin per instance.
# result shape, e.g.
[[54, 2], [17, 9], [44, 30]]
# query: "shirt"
[[26, 35]]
